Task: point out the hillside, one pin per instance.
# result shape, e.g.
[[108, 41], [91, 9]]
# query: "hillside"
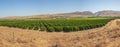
[[108, 13], [61, 15], [107, 36], [104, 13]]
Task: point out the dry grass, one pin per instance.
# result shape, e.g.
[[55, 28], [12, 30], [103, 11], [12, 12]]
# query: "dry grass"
[[107, 36]]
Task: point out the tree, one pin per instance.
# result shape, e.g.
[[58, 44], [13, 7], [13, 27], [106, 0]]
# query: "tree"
[[75, 28], [43, 28], [67, 29], [50, 29], [58, 28]]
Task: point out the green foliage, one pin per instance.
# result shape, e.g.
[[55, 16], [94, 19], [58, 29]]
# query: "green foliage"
[[67, 29], [50, 29], [57, 25], [43, 28], [58, 28]]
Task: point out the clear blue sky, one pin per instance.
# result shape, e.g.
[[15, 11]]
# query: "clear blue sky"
[[34, 7]]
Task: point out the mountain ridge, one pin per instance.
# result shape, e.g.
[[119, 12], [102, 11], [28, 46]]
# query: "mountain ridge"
[[104, 13]]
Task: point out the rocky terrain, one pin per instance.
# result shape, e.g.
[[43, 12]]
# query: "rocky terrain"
[[106, 36]]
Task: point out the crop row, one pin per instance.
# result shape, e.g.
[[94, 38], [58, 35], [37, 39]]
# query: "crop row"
[[55, 25]]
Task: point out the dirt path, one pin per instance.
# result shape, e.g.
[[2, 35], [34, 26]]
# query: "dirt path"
[[107, 36]]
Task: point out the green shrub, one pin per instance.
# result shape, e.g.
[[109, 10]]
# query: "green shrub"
[[43, 28], [50, 29]]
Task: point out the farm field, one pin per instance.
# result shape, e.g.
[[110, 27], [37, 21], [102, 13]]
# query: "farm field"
[[56, 25], [59, 23], [106, 36]]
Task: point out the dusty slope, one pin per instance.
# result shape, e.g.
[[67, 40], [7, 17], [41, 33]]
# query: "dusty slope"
[[107, 36], [59, 15]]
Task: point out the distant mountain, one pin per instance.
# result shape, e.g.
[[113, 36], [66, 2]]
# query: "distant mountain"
[[61, 15], [77, 14], [107, 13]]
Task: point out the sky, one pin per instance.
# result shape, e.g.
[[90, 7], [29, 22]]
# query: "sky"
[[36, 7]]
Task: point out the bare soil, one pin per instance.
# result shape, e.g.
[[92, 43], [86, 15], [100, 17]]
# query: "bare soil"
[[107, 36]]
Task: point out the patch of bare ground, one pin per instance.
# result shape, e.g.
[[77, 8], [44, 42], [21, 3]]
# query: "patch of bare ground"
[[107, 36]]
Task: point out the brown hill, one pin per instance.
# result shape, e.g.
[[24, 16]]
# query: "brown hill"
[[105, 13], [108, 13], [61, 15], [107, 36]]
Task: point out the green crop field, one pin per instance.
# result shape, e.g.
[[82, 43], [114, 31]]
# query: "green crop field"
[[57, 25]]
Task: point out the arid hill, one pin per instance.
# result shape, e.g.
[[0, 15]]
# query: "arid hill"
[[61, 15], [105, 13], [108, 13], [107, 36]]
